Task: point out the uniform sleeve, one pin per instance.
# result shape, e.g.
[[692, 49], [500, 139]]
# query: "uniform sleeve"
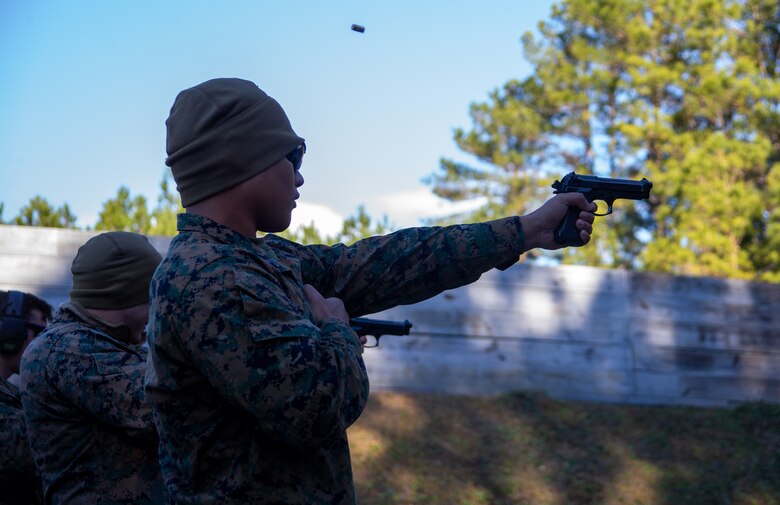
[[18, 474], [248, 334], [410, 265], [108, 383]]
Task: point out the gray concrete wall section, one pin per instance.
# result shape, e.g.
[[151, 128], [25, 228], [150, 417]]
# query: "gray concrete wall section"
[[574, 332]]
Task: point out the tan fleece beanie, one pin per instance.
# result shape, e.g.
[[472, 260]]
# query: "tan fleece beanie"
[[221, 133]]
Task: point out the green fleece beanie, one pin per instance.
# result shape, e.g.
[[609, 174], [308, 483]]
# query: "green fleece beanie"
[[113, 271], [221, 133]]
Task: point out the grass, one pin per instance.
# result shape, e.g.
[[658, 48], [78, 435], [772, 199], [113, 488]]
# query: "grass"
[[531, 449]]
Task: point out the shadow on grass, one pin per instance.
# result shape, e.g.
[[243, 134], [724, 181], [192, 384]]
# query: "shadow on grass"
[[530, 449]]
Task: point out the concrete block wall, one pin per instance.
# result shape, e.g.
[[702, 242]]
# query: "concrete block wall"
[[573, 332]]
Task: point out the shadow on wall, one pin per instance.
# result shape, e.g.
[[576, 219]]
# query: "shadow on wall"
[[590, 334], [561, 330], [699, 337]]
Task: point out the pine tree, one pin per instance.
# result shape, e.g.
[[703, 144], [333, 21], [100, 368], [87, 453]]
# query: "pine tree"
[[39, 212], [163, 217], [683, 93], [124, 213]]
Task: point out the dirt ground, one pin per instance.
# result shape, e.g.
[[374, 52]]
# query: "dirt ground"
[[530, 449]]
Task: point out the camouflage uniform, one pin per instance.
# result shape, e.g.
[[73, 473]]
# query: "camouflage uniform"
[[19, 483], [90, 425], [252, 397]]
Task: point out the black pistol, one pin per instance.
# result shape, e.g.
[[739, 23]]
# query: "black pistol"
[[594, 188], [377, 327]]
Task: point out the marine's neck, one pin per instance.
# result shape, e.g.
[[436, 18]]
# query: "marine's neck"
[[225, 214]]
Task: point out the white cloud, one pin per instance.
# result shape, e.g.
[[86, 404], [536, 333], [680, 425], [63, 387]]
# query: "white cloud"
[[326, 220], [408, 208]]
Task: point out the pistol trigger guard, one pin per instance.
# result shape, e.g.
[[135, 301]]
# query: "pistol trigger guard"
[[609, 209]]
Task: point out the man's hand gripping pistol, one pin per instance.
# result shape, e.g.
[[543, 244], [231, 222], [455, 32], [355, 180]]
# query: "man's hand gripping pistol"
[[594, 188]]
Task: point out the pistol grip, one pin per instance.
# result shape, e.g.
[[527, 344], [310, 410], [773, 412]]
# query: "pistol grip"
[[567, 233]]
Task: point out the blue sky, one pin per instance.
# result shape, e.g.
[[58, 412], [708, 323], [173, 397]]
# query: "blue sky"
[[86, 86]]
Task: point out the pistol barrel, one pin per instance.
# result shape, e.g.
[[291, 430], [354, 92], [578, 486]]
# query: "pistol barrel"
[[619, 188], [379, 327]]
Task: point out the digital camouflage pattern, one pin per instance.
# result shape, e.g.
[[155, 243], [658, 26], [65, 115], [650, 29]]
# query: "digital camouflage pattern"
[[19, 482], [90, 425], [252, 397]]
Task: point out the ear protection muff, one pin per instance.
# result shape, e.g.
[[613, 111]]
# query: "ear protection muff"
[[12, 327]]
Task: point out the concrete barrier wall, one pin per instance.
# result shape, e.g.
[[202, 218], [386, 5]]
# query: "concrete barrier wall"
[[574, 332]]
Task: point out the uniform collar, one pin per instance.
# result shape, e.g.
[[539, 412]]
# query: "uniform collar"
[[196, 223], [118, 332]]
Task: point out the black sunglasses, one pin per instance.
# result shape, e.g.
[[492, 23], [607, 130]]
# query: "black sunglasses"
[[296, 156]]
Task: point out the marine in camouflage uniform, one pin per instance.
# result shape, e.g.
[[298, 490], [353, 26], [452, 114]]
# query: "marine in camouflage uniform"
[[90, 425], [252, 396], [256, 375], [22, 317], [19, 482]]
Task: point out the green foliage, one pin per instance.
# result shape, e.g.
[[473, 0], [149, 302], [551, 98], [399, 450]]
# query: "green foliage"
[[683, 93], [361, 226], [163, 216], [124, 213], [39, 212], [306, 234], [353, 229]]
